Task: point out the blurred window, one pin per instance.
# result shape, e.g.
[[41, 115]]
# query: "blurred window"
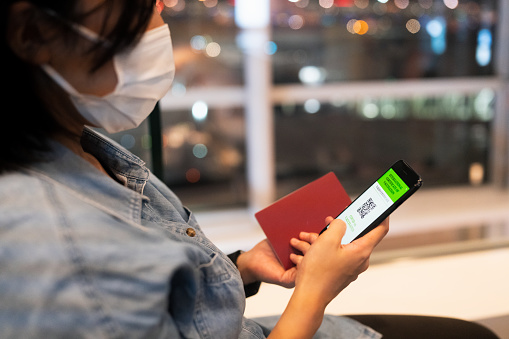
[[318, 47], [342, 40], [317, 41], [204, 43], [204, 156], [445, 138]]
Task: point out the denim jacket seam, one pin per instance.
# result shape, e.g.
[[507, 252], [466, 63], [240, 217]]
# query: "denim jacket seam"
[[77, 260], [128, 175], [51, 181], [136, 205]]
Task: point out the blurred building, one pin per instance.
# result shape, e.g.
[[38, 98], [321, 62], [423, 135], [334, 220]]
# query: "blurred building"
[[329, 85]]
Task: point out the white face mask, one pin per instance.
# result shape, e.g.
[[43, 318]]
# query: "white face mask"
[[144, 74]]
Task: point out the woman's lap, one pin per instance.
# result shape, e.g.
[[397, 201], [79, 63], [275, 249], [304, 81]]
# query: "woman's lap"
[[421, 327], [392, 327]]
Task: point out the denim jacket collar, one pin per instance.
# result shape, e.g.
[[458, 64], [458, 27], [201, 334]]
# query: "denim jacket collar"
[[129, 169], [86, 181]]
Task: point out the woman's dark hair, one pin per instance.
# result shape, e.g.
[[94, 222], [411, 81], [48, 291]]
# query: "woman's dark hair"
[[27, 126]]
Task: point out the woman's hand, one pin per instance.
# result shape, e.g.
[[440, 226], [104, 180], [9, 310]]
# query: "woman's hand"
[[327, 267], [261, 264]]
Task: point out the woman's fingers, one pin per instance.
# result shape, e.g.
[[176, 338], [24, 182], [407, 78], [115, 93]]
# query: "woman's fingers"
[[296, 259], [300, 245], [308, 237], [304, 242]]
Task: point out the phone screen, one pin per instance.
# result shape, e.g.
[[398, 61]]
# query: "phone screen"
[[371, 204]]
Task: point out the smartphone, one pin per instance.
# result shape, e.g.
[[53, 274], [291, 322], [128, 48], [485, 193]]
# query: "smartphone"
[[377, 202]]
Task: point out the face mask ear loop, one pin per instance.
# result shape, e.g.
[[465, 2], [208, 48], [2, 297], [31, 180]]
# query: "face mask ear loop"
[[85, 32]]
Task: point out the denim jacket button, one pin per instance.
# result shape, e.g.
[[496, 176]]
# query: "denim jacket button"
[[190, 232]]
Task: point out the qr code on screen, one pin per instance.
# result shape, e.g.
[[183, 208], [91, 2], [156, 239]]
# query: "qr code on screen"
[[367, 207]]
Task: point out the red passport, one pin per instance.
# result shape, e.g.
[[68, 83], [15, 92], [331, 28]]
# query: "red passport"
[[302, 210]]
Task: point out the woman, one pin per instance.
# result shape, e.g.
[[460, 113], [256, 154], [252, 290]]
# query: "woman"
[[91, 244]]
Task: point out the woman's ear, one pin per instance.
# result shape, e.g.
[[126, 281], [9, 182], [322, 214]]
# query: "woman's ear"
[[25, 33]]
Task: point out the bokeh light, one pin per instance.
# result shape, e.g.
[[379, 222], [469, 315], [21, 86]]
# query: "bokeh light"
[[349, 25], [198, 42], [296, 21], [193, 175], [200, 151], [312, 106], [476, 173], [170, 3], [128, 141], [326, 3], [200, 110], [452, 4], [175, 5], [178, 89], [483, 50], [271, 48], [370, 110], [146, 141], [413, 26], [360, 27], [435, 28], [312, 75], [213, 49], [401, 4], [210, 3]]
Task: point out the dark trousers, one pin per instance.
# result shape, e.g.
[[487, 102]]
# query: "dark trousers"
[[423, 327]]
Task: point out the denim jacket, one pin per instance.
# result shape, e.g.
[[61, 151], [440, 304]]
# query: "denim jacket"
[[82, 256]]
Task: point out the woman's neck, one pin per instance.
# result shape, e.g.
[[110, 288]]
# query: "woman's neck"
[[73, 142], [70, 120]]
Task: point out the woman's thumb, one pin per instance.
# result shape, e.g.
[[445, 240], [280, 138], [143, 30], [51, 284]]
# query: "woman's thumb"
[[338, 228]]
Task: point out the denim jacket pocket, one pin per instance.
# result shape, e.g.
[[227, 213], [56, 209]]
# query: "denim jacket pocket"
[[220, 300], [214, 272]]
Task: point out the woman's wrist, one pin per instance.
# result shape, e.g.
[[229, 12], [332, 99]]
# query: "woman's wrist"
[[306, 297], [301, 319], [251, 285], [243, 266]]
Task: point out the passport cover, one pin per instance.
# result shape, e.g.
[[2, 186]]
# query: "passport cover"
[[302, 210]]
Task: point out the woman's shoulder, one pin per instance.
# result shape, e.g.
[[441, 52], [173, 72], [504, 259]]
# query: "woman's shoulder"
[[27, 210], [31, 202], [20, 190]]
